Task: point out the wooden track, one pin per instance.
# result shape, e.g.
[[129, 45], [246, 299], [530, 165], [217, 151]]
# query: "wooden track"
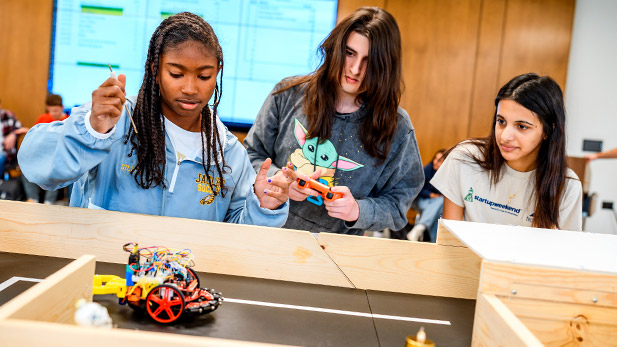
[[528, 301]]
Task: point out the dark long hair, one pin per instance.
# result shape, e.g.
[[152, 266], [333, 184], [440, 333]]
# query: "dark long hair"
[[382, 85], [544, 98], [149, 142]]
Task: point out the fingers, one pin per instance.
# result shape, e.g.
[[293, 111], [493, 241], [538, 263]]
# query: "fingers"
[[289, 173], [296, 195], [282, 184], [341, 189], [315, 175], [122, 80], [263, 170], [341, 207], [277, 189], [345, 208], [281, 197], [274, 191], [114, 86], [109, 98], [300, 175], [109, 107]]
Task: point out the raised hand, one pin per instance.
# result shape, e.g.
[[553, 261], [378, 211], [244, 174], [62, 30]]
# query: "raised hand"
[[273, 192], [107, 101]]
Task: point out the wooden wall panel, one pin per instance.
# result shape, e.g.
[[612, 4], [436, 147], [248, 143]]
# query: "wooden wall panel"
[[25, 40], [439, 48], [486, 74], [346, 7], [537, 38]]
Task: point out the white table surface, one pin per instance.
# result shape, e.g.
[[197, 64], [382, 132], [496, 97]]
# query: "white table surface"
[[541, 247]]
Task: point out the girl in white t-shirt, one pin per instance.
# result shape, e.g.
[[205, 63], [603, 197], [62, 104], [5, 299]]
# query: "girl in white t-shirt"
[[518, 175]]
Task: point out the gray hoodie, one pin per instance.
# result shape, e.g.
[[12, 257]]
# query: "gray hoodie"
[[383, 191]]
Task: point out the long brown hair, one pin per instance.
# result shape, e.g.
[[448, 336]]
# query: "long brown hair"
[[382, 85], [149, 142], [544, 98]]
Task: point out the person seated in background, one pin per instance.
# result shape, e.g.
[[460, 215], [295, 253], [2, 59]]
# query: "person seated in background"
[[54, 112], [429, 202], [177, 159], [342, 125], [517, 175], [610, 154], [10, 129]]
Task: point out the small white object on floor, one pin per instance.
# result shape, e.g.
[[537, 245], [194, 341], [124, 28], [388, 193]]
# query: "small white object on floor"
[[92, 314], [416, 233]]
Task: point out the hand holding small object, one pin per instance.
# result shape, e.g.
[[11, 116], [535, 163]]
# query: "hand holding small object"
[[107, 102], [298, 193], [324, 190], [113, 74], [345, 208]]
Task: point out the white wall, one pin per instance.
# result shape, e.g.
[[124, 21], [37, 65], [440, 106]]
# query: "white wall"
[[591, 100]]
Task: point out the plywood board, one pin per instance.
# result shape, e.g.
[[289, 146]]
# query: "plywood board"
[[446, 238], [560, 324], [558, 249], [224, 248], [560, 307], [30, 333], [54, 299], [496, 325], [568, 286], [404, 266]]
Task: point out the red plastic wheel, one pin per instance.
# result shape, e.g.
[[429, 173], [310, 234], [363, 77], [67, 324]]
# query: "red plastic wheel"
[[165, 303]]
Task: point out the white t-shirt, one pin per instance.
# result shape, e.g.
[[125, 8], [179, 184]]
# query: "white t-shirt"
[[511, 201], [187, 144]]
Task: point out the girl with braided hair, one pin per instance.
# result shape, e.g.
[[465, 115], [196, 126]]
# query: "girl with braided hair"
[[177, 160]]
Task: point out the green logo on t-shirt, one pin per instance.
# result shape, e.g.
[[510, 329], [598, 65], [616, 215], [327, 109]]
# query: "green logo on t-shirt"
[[469, 196]]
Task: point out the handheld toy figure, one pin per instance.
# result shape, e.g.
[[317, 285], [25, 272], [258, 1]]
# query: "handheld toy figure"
[[165, 286]]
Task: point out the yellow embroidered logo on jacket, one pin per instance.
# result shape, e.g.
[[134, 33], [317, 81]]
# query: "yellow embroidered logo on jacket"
[[203, 186], [126, 167]]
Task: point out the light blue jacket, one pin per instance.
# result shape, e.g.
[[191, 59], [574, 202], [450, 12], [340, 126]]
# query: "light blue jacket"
[[56, 154]]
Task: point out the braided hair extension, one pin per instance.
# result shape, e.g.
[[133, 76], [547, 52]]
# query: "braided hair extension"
[[149, 142]]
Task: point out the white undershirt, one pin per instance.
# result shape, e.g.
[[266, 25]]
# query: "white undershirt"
[[187, 144]]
